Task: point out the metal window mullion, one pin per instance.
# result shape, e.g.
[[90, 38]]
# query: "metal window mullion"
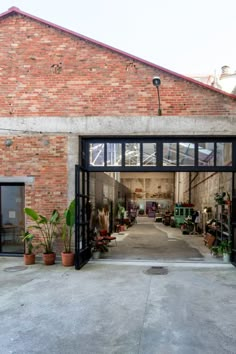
[[196, 154], [141, 154], [215, 153], [123, 154], [177, 153], [159, 153]]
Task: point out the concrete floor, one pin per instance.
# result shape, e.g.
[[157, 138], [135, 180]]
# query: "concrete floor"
[[148, 240], [117, 309], [118, 306]]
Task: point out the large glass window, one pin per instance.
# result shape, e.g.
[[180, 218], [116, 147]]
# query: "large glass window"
[[149, 154], [206, 154], [186, 154], [154, 153], [169, 154], [132, 154], [224, 154], [96, 154], [114, 156]]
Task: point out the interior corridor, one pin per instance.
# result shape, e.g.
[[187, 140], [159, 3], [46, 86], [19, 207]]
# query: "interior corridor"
[[149, 240]]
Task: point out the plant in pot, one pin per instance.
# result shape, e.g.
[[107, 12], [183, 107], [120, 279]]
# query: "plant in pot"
[[225, 248], [67, 255], [48, 228], [103, 216], [29, 255]]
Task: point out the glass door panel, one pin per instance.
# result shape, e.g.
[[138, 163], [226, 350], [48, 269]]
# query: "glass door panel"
[[12, 221]]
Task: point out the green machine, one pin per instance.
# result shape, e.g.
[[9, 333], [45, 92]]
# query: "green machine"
[[180, 213]]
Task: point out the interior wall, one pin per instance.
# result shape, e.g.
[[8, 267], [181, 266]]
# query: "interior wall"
[[150, 186], [204, 185]]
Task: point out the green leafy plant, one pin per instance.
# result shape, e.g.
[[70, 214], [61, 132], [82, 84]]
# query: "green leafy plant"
[[225, 247], [67, 228], [47, 227], [27, 238], [215, 250]]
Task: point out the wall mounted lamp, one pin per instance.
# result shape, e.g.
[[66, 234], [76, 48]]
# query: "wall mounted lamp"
[[8, 142], [156, 82]]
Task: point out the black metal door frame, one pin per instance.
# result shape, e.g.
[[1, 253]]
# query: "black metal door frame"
[[233, 219], [82, 242], [82, 231]]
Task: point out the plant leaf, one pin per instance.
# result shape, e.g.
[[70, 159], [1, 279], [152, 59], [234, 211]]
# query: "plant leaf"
[[31, 213]]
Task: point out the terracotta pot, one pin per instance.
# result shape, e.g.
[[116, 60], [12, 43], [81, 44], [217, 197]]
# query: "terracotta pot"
[[67, 259], [29, 259], [49, 258]]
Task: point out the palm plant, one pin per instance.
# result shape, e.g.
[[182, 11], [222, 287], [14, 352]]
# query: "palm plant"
[[47, 227], [27, 238], [67, 228]]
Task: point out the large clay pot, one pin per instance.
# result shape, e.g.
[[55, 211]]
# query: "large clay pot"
[[49, 258], [67, 259], [29, 259]]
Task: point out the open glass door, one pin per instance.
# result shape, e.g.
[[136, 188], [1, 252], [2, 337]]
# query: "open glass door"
[[82, 218]]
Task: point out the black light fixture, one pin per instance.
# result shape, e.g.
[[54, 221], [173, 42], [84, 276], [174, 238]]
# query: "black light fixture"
[[156, 82]]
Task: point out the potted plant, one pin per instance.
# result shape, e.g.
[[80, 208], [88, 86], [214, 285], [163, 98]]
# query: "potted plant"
[[215, 250], [103, 216], [225, 248], [48, 228], [29, 256], [67, 229]]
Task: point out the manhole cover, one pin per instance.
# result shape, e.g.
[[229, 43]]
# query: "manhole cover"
[[15, 269], [157, 271]]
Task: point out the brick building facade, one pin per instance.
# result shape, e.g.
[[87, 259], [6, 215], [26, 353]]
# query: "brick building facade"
[[57, 85]]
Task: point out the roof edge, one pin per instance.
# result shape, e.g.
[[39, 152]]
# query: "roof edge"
[[16, 10]]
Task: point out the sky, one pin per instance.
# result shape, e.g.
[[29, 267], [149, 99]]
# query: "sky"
[[189, 37]]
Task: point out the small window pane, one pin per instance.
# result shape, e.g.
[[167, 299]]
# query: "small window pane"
[[132, 154], [96, 154], [206, 154], [224, 154], [169, 154], [186, 154], [114, 155], [149, 154]]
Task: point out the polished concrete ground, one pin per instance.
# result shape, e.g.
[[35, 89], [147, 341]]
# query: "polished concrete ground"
[[167, 304], [149, 240], [117, 308]]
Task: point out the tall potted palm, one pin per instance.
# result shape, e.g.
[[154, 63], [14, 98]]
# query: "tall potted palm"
[[67, 255], [48, 228]]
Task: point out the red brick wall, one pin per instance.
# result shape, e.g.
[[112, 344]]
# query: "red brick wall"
[[46, 72], [44, 158]]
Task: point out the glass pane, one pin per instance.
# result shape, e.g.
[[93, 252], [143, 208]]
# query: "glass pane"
[[224, 154], [12, 222], [206, 154], [149, 154], [186, 154], [96, 154], [114, 154], [132, 154], [169, 154]]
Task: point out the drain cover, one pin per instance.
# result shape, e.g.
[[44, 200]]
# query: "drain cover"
[[157, 270], [15, 269]]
